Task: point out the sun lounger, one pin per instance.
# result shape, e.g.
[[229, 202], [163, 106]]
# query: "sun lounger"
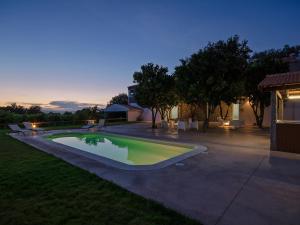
[[16, 129], [29, 126], [90, 124], [100, 124]]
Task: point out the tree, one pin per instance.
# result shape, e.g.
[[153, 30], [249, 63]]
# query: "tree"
[[119, 99], [169, 97], [90, 113], [14, 108], [262, 64], [34, 109], [212, 75], [150, 87]]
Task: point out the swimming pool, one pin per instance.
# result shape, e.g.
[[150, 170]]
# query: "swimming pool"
[[123, 149]]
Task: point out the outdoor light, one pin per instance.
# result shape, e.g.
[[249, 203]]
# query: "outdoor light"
[[226, 123], [294, 94], [33, 125], [294, 97]]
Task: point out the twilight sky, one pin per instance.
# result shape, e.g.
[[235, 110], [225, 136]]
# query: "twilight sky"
[[69, 54]]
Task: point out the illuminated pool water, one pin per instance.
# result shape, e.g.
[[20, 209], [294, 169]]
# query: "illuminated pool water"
[[127, 150]]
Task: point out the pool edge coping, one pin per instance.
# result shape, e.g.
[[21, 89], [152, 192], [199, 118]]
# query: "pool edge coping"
[[48, 144]]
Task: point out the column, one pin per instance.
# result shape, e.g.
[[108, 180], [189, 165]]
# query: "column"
[[273, 145]]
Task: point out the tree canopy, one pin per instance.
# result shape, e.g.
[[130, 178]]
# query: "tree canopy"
[[150, 89], [260, 65], [213, 74], [119, 99]]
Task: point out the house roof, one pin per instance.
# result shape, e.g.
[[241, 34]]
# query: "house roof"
[[130, 107], [132, 86], [281, 81], [121, 108]]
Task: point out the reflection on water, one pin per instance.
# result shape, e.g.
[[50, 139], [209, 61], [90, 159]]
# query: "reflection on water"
[[91, 140], [126, 150]]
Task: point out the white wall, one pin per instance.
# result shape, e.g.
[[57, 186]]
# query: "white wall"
[[147, 115], [132, 115], [246, 114]]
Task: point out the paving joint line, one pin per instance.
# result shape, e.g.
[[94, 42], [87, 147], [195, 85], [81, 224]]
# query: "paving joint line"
[[239, 191]]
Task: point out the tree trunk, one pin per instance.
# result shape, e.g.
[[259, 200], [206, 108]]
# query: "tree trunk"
[[168, 112], [153, 117], [193, 109], [206, 121], [221, 112], [259, 115]]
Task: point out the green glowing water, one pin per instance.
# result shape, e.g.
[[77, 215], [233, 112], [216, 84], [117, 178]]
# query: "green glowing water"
[[123, 149]]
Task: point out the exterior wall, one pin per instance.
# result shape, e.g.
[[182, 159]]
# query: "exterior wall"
[[116, 108], [246, 114], [147, 116], [174, 113], [133, 115], [291, 109], [131, 94], [267, 117], [216, 115], [186, 111]]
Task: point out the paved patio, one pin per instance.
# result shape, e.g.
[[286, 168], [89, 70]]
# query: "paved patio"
[[237, 182]]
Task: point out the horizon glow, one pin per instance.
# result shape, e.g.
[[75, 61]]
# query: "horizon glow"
[[85, 52]]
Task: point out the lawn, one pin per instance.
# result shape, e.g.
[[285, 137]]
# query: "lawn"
[[36, 188]]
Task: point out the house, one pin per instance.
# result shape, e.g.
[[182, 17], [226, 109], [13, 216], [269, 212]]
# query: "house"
[[284, 88], [239, 114], [123, 112], [146, 113]]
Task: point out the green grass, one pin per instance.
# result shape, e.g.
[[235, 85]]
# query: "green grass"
[[36, 188]]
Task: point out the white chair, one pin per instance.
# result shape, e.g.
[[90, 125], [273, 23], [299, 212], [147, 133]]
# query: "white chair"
[[90, 124], [16, 129], [100, 124], [182, 125]]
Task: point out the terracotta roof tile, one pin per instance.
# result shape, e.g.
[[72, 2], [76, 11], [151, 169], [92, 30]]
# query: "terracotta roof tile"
[[280, 80]]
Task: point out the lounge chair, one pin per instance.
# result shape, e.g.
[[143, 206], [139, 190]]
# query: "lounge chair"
[[100, 124], [29, 126], [16, 129], [90, 124]]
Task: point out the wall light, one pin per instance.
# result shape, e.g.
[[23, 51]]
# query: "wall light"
[[226, 123], [294, 97]]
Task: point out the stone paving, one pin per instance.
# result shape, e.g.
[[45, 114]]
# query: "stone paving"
[[237, 182]]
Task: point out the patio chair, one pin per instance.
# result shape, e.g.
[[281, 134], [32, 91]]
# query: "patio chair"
[[100, 124], [16, 129], [90, 124], [182, 125], [29, 126]]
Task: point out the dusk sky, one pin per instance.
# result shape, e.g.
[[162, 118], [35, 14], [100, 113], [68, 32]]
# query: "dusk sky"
[[70, 53]]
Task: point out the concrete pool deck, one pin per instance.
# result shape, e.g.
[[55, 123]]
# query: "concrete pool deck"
[[237, 182]]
